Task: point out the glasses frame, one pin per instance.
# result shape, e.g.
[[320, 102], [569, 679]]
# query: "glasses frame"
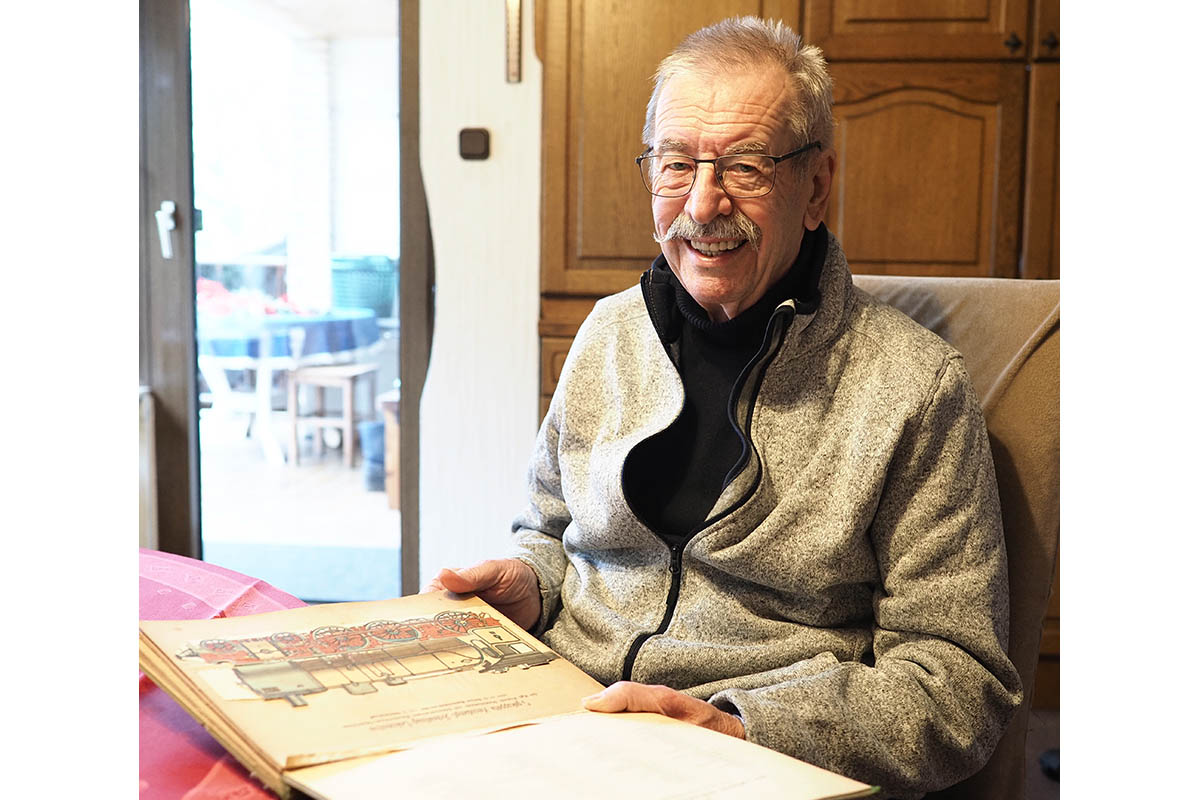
[[713, 161]]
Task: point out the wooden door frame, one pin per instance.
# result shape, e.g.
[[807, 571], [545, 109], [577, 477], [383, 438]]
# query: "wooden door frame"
[[416, 298], [167, 297]]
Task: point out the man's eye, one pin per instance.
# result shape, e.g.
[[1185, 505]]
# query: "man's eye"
[[677, 166], [742, 168]]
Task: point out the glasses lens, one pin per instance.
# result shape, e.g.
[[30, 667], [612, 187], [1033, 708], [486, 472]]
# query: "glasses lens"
[[668, 176], [746, 175]]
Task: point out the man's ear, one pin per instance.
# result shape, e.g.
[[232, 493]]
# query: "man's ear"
[[821, 185]]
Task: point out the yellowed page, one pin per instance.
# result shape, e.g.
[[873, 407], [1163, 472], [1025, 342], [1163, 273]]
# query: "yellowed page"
[[333, 681], [586, 756]]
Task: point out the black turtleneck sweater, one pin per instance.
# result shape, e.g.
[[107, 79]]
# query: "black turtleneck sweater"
[[674, 478]]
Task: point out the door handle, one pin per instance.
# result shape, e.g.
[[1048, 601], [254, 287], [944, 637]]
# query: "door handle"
[[165, 217]]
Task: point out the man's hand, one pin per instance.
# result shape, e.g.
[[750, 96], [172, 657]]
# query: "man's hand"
[[509, 585], [629, 696]]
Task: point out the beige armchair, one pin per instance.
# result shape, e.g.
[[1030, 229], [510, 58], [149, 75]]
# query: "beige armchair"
[[1007, 332]]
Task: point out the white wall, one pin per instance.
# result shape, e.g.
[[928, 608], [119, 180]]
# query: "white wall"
[[479, 407]]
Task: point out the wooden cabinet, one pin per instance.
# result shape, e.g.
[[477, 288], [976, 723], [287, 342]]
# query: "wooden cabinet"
[[554, 355], [559, 320], [1039, 248], [918, 29], [1043, 32], [928, 180]]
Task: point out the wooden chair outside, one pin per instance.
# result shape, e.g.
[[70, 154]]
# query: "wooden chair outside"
[[340, 376]]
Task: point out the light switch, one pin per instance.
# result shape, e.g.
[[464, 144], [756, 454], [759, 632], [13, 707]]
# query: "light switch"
[[474, 143]]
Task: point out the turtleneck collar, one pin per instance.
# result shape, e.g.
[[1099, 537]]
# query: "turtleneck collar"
[[798, 283]]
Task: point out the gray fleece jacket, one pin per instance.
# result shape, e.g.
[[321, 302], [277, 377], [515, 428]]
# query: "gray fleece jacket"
[[848, 595]]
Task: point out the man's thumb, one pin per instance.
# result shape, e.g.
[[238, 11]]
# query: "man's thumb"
[[462, 580]]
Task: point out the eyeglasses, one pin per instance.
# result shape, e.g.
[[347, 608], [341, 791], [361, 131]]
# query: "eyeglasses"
[[738, 175]]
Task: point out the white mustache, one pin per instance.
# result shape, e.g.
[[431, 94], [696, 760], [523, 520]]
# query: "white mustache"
[[736, 226]]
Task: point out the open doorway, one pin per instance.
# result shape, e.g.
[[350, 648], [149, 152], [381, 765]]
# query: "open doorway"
[[296, 144]]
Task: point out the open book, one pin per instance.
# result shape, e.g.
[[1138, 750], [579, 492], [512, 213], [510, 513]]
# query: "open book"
[[434, 695]]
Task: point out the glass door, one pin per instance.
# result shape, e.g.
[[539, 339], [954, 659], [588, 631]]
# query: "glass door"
[[296, 145]]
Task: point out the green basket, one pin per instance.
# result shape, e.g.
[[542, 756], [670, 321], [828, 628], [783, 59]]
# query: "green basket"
[[362, 286]]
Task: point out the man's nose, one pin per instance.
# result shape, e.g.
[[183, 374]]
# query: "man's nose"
[[707, 200]]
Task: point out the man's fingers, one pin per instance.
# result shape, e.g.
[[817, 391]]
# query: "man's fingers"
[[462, 581], [508, 584], [607, 701], [624, 696], [630, 696], [436, 585], [477, 578]]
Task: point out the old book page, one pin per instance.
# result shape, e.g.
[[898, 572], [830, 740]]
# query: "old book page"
[[587, 756], [327, 682]]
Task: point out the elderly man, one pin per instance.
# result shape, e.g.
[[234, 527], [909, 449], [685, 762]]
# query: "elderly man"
[[761, 501]]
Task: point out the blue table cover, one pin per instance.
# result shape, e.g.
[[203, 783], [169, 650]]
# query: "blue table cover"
[[238, 335]]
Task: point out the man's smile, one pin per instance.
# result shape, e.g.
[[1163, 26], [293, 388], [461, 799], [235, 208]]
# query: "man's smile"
[[714, 247]]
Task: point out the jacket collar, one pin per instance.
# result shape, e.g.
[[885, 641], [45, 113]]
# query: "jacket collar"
[[838, 299], [669, 305]]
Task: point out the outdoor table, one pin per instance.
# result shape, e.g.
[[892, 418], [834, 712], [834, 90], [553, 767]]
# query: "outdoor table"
[[178, 757], [265, 343]]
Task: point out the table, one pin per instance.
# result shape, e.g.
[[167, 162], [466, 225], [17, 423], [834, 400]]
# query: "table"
[[177, 757], [265, 343]]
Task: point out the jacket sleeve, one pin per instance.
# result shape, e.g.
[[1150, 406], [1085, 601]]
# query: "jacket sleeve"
[[930, 709], [538, 529]]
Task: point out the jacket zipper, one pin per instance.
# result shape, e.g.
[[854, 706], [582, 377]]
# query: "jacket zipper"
[[672, 598], [762, 359]]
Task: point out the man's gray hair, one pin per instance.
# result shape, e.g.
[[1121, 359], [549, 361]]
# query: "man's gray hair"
[[741, 44]]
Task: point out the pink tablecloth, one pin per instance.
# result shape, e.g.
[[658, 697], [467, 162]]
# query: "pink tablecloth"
[[178, 758]]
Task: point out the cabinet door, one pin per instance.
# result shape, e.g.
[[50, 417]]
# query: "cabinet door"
[[918, 29], [1044, 34], [554, 355], [928, 178], [599, 59], [1039, 246], [559, 321]]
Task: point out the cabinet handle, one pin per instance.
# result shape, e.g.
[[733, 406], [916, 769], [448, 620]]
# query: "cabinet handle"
[[1050, 42], [1013, 42]]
